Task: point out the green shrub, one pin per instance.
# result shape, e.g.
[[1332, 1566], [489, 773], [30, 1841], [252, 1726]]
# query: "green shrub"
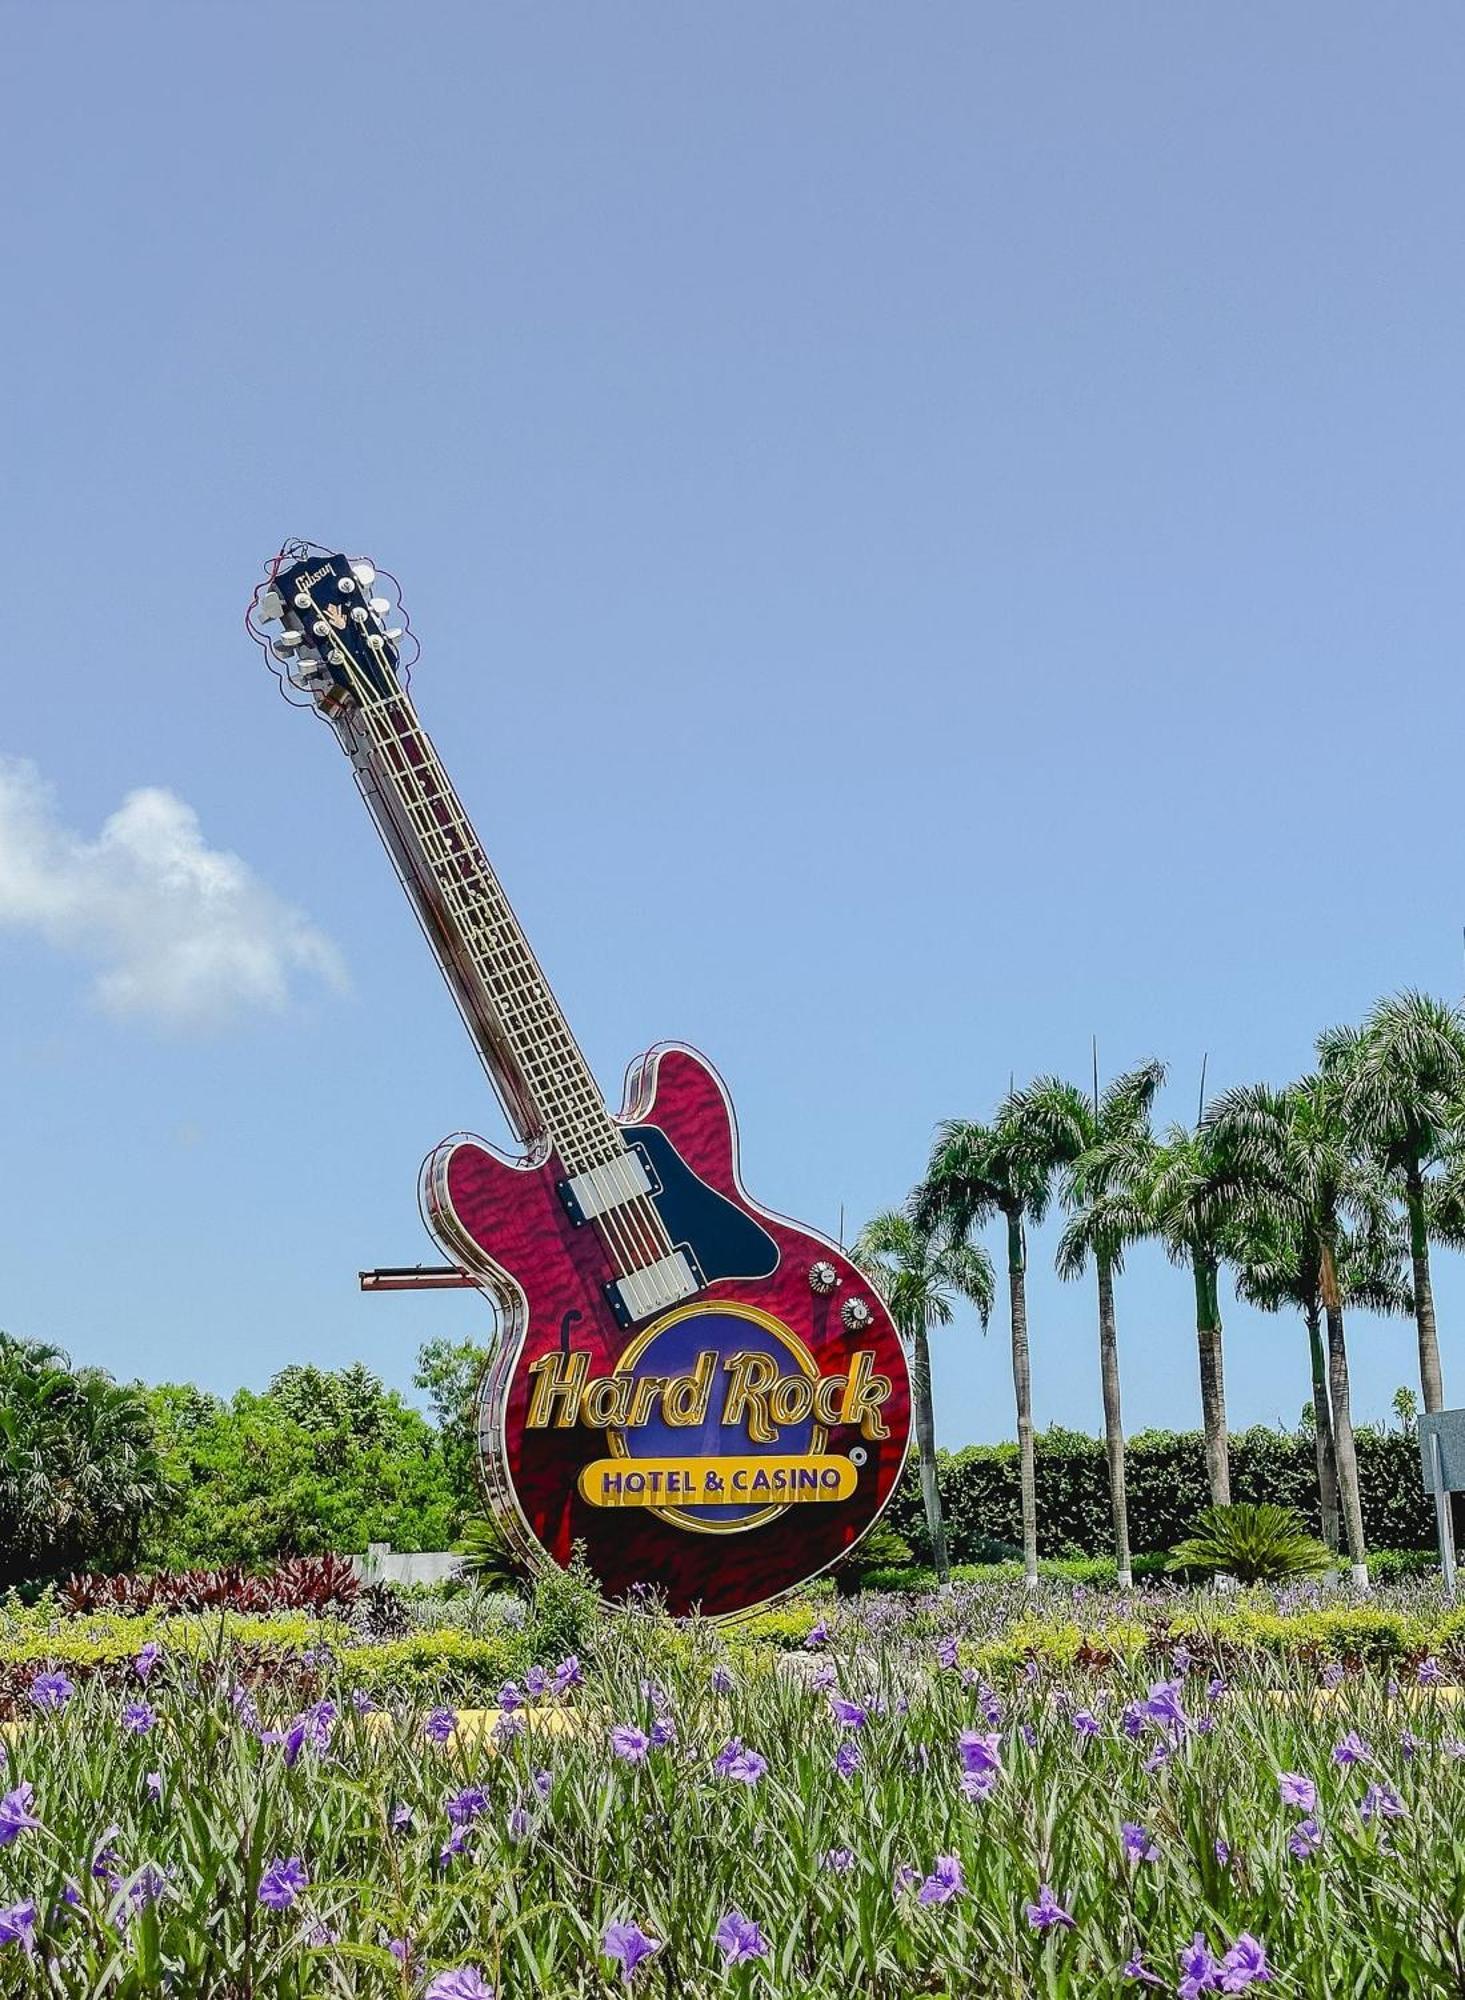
[[435, 1667], [1254, 1543]]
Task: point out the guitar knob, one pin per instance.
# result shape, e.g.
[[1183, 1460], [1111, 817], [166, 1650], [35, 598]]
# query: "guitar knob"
[[856, 1315], [822, 1278]]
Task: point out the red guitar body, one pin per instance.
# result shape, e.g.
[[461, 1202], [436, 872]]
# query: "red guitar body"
[[506, 1222]]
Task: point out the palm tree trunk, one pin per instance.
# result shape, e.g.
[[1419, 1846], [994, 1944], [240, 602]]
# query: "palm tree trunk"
[[1212, 1380], [926, 1451], [1431, 1381], [1113, 1419], [1322, 1423], [1343, 1444], [1023, 1392]]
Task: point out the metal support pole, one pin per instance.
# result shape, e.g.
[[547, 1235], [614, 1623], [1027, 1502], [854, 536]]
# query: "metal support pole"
[[1443, 1517]]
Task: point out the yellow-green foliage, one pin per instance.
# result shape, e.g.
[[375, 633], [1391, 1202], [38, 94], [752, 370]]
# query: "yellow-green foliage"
[[1064, 1646], [434, 1666], [1353, 1634], [103, 1641], [784, 1629]]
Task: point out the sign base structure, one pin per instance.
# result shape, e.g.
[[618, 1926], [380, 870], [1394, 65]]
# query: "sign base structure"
[[724, 1450], [1442, 1461]]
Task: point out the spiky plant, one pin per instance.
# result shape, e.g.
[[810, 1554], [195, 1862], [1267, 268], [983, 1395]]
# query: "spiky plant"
[[1255, 1542]]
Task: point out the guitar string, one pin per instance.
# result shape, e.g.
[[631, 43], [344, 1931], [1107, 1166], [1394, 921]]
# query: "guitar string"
[[406, 777]]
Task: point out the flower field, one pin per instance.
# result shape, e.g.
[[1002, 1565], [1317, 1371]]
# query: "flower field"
[[970, 1795]]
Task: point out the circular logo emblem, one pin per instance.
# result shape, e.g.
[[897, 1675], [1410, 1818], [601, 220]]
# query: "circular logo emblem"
[[674, 1347]]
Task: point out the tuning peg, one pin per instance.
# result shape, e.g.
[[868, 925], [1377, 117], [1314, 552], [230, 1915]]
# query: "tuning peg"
[[303, 600], [269, 607], [364, 574], [394, 632], [381, 606], [345, 584], [286, 644]]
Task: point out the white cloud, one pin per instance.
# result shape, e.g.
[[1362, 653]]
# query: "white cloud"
[[178, 932]]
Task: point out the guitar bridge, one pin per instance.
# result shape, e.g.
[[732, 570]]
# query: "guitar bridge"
[[640, 1293]]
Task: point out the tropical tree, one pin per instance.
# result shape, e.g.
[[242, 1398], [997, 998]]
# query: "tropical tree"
[[1298, 1183], [920, 1277], [1401, 1078], [79, 1464], [1189, 1196], [976, 1172], [1103, 1145]]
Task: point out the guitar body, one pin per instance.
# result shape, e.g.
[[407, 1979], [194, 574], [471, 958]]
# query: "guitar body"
[[761, 1363]]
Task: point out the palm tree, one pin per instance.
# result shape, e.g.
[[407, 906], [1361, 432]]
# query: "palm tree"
[[1300, 1178], [919, 1277], [1189, 1197], [975, 1172], [1105, 1148], [1402, 1083]]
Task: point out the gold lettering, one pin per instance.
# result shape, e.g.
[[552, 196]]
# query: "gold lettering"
[[603, 1405], [558, 1382], [687, 1396], [648, 1388], [751, 1376], [866, 1392], [792, 1399], [829, 1398]]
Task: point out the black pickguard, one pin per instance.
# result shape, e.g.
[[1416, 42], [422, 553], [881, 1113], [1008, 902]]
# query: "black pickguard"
[[724, 1241]]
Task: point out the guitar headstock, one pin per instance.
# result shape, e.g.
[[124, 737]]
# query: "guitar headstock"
[[335, 640]]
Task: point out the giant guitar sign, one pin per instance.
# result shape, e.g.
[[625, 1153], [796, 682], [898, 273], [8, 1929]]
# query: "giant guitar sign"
[[709, 1398]]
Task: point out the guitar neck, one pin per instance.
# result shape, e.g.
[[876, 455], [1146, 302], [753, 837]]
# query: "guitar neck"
[[532, 1058]]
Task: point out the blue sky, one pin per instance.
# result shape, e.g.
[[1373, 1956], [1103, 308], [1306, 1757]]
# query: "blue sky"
[[935, 535]]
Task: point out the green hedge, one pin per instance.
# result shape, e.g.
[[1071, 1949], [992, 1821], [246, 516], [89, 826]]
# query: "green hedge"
[[1165, 1474]]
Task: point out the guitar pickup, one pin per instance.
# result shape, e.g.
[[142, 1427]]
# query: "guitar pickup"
[[640, 1293], [599, 1189]]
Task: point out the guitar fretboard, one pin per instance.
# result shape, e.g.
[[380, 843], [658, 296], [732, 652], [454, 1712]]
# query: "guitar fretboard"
[[486, 940]]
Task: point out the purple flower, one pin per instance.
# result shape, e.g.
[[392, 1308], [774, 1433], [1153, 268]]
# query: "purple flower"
[[738, 1938], [1030, 1669], [282, 1882], [467, 1983], [905, 1877], [978, 1785], [1244, 1965], [510, 1697], [1332, 1674], [146, 1659], [1351, 1750], [945, 1880], [1408, 1743], [510, 1724], [1085, 1724], [16, 1816], [978, 1752], [744, 1767], [51, 1690], [1028, 1734], [1222, 1850], [1158, 1758], [440, 1725], [18, 1925], [818, 1635], [1132, 1718], [401, 1818], [838, 1860], [628, 1945], [1047, 1911], [1296, 1790], [946, 1654], [362, 1702], [1164, 1706], [1429, 1673], [847, 1759], [148, 1887], [824, 1679], [722, 1680], [1200, 1971], [1381, 1802], [463, 1807], [518, 1823], [629, 1742], [1135, 1968], [1215, 1688], [663, 1731], [536, 1680], [543, 1783], [152, 1784], [1137, 1844], [1304, 1840], [138, 1717], [848, 1712]]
